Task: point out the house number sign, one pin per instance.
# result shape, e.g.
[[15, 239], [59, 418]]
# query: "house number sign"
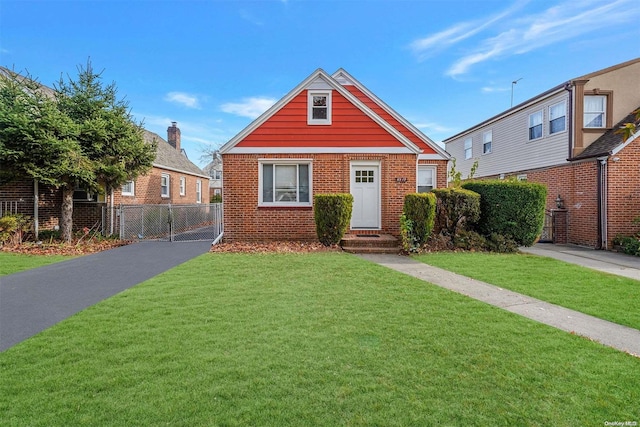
[[403, 180]]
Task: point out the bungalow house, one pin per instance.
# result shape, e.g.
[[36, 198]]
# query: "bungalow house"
[[214, 170], [565, 138], [173, 179], [330, 134]]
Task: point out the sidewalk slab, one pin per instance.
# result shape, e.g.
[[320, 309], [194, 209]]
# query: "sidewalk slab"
[[610, 334]]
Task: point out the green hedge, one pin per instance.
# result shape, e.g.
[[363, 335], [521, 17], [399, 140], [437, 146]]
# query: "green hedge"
[[456, 208], [418, 215], [332, 213], [514, 209]]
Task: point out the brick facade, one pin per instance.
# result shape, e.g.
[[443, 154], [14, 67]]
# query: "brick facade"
[[577, 185], [246, 221]]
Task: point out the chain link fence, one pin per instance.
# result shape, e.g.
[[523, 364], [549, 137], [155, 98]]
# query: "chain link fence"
[[173, 223]]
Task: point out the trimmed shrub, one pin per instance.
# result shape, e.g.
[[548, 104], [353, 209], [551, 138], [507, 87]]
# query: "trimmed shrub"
[[417, 220], [513, 209], [456, 208], [12, 227], [332, 213]]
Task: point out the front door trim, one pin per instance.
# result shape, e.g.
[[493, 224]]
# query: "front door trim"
[[375, 223]]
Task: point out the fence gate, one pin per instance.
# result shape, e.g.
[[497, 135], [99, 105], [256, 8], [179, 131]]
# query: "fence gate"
[[547, 228], [173, 223]]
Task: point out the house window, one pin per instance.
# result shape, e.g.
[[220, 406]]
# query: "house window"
[[557, 118], [319, 108], [535, 125], [426, 179], [487, 138], [285, 183], [183, 186], [198, 191], [595, 111], [468, 148], [164, 185], [128, 188]]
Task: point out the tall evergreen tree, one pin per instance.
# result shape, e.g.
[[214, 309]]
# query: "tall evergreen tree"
[[79, 136]]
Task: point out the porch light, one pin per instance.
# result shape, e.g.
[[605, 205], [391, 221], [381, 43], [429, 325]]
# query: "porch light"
[[559, 202]]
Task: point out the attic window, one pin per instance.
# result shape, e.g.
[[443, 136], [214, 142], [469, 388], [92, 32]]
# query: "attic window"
[[319, 108]]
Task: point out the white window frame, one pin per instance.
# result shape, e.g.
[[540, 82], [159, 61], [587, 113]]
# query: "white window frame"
[[131, 191], [563, 117], [284, 162], [310, 107], [433, 177], [198, 191], [183, 185], [536, 120], [468, 148], [603, 112], [487, 142], [165, 184]]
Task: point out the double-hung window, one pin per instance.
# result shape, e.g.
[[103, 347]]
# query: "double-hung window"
[[319, 108], [285, 183], [198, 191], [535, 125], [128, 188], [468, 148], [557, 117], [487, 138], [164, 185], [595, 111], [426, 178], [183, 186]]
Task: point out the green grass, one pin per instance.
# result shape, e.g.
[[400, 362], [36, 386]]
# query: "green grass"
[[599, 294], [323, 339], [12, 263]]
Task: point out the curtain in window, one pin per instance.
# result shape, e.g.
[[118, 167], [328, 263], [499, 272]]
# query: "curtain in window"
[[425, 180], [535, 125], [557, 118], [594, 107]]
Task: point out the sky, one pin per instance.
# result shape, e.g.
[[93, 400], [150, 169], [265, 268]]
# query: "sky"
[[213, 66]]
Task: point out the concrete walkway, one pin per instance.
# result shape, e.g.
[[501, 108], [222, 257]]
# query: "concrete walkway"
[[611, 334], [33, 300]]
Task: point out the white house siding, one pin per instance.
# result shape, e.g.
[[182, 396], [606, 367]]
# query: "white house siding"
[[511, 149]]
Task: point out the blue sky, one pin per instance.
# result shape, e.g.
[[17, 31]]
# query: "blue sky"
[[213, 66]]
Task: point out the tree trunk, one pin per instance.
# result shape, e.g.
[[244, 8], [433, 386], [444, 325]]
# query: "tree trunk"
[[66, 217]]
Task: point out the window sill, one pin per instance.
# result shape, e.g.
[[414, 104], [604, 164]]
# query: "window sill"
[[285, 207]]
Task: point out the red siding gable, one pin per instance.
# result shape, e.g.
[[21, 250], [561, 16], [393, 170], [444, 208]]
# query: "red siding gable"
[[390, 119], [350, 127]]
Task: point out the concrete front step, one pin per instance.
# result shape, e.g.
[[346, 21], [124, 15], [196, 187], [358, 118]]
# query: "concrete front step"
[[370, 244]]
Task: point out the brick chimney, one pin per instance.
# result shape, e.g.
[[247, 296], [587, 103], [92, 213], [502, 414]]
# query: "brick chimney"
[[173, 135]]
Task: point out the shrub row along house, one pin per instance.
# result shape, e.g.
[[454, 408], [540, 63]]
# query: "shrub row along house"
[[566, 138], [174, 179], [329, 134]]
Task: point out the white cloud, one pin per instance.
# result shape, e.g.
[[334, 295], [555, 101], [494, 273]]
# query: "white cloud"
[[425, 47], [185, 99], [519, 34], [249, 107], [556, 24], [493, 89]]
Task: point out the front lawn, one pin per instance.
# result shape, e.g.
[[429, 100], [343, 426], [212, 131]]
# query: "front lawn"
[[323, 339], [602, 295], [14, 262]]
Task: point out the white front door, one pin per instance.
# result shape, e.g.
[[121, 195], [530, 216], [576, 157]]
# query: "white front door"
[[365, 188]]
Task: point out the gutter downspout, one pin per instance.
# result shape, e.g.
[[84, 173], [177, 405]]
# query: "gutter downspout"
[[602, 203], [569, 88]]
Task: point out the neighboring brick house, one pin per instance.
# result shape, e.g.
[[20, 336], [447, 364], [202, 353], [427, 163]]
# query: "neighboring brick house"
[[565, 138], [214, 170], [329, 134], [173, 179]]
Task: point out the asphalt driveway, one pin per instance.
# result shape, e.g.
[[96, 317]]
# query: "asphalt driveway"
[[33, 300]]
